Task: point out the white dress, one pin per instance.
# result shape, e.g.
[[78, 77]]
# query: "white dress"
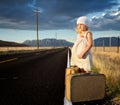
[[86, 62]]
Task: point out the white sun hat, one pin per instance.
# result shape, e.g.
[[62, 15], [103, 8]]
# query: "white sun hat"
[[83, 20]]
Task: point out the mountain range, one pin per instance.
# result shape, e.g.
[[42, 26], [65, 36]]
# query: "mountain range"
[[10, 44], [102, 41], [48, 42], [107, 41]]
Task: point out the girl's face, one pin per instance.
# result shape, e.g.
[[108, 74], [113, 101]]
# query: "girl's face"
[[82, 27]]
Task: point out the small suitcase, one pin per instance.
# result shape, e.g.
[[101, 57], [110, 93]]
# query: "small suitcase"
[[82, 87]]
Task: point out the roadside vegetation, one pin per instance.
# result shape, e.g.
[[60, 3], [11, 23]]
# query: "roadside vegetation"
[[108, 63], [15, 52]]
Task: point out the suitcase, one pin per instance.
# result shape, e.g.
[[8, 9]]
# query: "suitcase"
[[73, 70], [82, 87]]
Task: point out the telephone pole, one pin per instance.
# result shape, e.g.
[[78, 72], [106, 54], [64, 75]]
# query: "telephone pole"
[[37, 12]]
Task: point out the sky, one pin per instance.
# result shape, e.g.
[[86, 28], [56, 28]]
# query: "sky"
[[57, 18]]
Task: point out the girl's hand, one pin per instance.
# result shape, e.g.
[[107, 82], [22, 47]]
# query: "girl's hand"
[[80, 56]]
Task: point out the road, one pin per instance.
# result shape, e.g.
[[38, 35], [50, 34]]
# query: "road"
[[32, 79], [35, 78]]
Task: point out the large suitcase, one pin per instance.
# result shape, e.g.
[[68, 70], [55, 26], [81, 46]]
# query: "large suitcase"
[[82, 87]]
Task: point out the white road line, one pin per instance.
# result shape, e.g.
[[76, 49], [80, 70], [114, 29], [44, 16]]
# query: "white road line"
[[8, 60]]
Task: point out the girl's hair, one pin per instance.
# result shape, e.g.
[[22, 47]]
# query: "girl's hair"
[[79, 31]]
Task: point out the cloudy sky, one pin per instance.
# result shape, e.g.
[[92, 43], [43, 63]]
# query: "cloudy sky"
[[57, 18]]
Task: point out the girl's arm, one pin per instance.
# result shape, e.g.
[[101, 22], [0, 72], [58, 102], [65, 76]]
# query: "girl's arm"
[[89, 45]]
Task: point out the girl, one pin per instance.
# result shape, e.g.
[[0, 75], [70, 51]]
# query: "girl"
[[81, 54]]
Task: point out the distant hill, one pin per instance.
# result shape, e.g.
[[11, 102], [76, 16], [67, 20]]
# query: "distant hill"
[[107, 41], [10, 44], [48, 42]]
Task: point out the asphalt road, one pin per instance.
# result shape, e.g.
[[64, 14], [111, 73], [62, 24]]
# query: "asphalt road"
[[33, 79], [36, 78]]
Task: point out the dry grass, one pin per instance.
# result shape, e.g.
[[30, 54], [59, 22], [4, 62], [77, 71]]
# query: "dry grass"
[[24, 48], [108, 63]]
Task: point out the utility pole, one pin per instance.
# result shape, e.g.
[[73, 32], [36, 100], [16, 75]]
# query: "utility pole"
[[103, 46], [56, 39], [37, 12], [118, 44], [110, 41], [56, 35]]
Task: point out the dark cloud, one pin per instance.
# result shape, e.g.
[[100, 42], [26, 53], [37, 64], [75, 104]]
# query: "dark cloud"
[[54, 14], [109, 21]]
